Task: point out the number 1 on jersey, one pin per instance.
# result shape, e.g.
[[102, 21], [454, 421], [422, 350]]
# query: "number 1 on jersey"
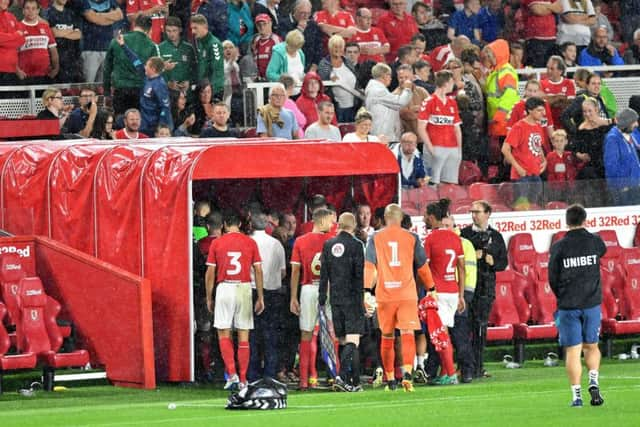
[[395, 262]]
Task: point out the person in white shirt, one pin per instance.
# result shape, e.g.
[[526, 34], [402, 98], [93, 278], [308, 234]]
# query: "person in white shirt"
[[323, 129], [363, 127], [264, 337]]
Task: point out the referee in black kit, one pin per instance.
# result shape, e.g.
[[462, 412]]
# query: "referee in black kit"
[[574, 276], [342, 266]]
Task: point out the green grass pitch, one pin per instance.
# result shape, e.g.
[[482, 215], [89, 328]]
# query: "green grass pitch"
[[533, 396]]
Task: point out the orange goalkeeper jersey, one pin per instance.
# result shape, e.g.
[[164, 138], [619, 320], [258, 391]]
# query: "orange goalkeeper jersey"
[[395, 252]]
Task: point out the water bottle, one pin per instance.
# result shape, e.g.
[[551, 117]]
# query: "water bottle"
[[509, 363]]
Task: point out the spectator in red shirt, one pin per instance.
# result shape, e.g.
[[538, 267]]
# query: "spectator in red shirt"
[[332, 20], [12, 37], [539, 30], [531, 89], [561, 167], [311, 95], [156, 9], [38, 60], [445, 53], [131, 126], [372, 41], [263, 43], [522, 149], [439, 130], [558, 90], [398, 26]]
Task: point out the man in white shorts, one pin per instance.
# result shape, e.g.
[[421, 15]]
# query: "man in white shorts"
[[306, 258], [231, 258]]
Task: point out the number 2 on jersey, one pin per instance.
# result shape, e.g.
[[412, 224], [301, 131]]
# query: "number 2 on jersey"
[[395, 262], [452, 260], [234, 262]]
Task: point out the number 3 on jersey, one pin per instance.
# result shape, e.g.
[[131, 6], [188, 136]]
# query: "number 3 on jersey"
[[234, 262]]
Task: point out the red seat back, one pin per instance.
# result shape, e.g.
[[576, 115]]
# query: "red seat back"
[[545, 305], [542, 266], [632, 296], [504, 311], [32, 331], [636, 239], [483, 191], [614, 251], [610, 308], [557, 236], [521, 290], [11, 272], [522, 254], [51, 312], [453, 192], [631, 260]]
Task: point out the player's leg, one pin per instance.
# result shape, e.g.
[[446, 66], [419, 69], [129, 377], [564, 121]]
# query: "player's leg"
[[451, 165], [447, 306], [408, 322], [591, 319], [308, 318], [225, 305], [421, 356], [570, 333], [243, 322], [354, 328], [386, 312], [437, 165]]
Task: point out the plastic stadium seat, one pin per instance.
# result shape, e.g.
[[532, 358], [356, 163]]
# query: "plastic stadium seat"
[[614, 322], [542, 266], [522, 292], [505, 190], [35, 335], [522, 254], [503, 313], [557, 205], [557, 236], [453, 192], [612, 260], [346, 128], [631, 296], [462, 209], [11, 362], [482, 191], [11, 272], [631, 260]]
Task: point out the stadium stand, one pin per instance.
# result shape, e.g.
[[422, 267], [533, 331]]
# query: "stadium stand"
[[11, 362], [35, 334]]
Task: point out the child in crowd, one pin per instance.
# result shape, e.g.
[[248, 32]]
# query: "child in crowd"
[[561, 167]]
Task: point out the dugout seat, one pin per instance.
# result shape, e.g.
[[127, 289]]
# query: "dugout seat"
[[542, 266], [522, 254], [636, 239], [522, 292], [11, 273], [631, 260], [614, 322], [35, 334], [612, 260], [631, 296], [503, 313], [557, 236], [543, 326], [15, 361], [483, 191]]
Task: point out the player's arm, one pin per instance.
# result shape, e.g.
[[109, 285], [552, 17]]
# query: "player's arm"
[[257, 270], [508, 157], [370, 269], [294, 305], [324, 277], [554, 269], [461, 278], [423, 270], [209, 280]]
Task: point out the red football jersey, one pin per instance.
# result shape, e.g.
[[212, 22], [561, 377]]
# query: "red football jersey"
[[561, 168], [564, 87], [122, 134], [398, 32], [341, 19], [374, 38], [262, 48], [440, 56], [537, 26], [33, 55], [157, 20], [526, 146], [443, 248], [306, 252], [441, 119], [233, 254]]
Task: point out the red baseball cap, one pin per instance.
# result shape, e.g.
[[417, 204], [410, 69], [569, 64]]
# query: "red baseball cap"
[[263, 17]]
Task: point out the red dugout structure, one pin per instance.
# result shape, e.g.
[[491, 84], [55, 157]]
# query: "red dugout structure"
[[131, 204]]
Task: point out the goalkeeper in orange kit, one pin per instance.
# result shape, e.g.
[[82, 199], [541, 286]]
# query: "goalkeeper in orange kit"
[[391, 255]]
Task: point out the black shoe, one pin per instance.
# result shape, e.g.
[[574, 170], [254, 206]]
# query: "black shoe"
[[467, 380], [596, 397], [340, 385], [392, 385]]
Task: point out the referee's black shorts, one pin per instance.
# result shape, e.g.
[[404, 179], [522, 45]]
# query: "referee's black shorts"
[[348, 319]]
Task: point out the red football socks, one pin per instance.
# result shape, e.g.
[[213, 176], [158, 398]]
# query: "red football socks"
[[226, 349], [387, 353], [313, 354], [446, 361], [305, 350], [243, 360]]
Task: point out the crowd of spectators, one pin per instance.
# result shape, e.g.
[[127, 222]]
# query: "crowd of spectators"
[[444, 71]]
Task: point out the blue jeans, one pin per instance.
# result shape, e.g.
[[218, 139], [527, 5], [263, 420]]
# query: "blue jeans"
[[345, 115]]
